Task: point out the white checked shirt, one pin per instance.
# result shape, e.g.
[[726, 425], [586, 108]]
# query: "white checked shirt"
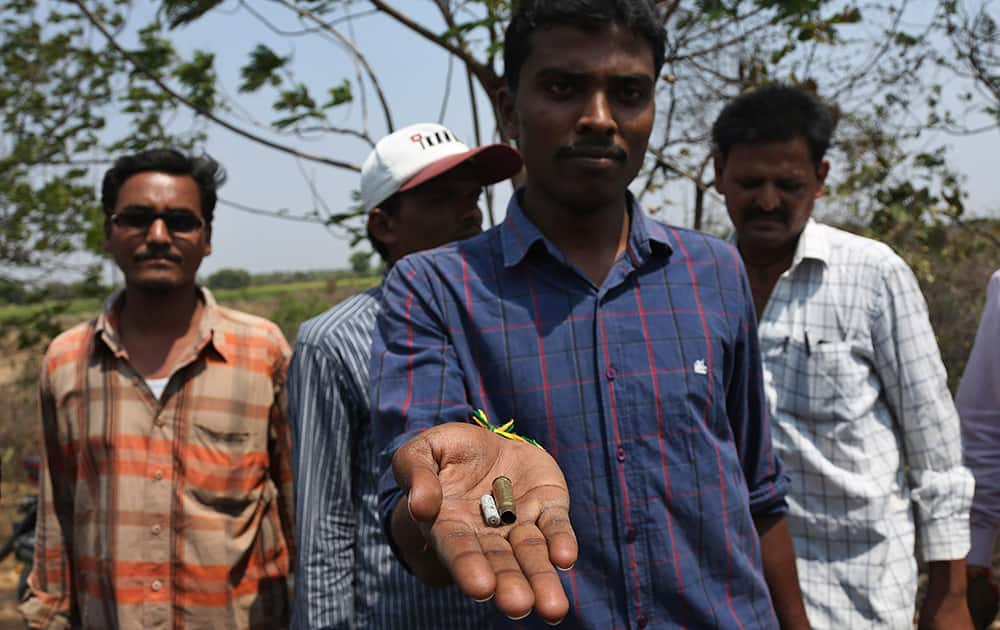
[[866, 426]]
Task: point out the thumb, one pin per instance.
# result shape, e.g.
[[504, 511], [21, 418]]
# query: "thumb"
[[416, 471]]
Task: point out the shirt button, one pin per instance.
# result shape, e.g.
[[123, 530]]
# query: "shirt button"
[[642, 621], [621, 454], [630, 535], [611, 373], [156, 530], [158, 475], [156, 585]]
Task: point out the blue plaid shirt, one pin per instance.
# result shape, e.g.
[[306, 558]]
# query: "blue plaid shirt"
[[647, 390]]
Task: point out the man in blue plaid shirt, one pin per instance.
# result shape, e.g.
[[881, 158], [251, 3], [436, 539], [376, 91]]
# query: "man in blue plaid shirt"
[[626, 347]]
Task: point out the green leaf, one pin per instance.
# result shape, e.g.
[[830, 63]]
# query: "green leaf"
[[262, 68], [339, 95], [180, 12], [295, 98], [198, 76]]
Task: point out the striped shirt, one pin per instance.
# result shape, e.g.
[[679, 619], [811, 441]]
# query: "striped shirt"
[[647, 390], [864, 422], [164, 513], [347, 576]]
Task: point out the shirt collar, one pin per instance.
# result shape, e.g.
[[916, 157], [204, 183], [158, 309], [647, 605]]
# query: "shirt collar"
[[813, 244], [518, 234], [211, 329]]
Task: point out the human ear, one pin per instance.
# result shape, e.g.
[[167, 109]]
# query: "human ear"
[[718, 164], [381, 227], [506, 104], [821, 173], [106, 245]]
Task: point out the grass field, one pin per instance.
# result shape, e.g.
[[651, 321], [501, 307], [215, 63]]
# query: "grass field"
[[84, 306]]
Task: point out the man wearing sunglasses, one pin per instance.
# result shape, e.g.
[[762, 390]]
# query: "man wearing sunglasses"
[[166, 487]]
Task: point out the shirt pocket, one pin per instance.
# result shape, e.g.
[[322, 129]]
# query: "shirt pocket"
[[228, 461], [819, 381]]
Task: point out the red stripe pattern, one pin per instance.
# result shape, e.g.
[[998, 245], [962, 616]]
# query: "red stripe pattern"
[[647, 390]]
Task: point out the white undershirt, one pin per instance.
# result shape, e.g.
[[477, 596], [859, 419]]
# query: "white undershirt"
[[157, 385]]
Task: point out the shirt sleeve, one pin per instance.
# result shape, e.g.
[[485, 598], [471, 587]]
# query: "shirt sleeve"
[[280, 446], [48, 602], [323, 437], [746, 404], [979, 407], [909, 366], [416, 379]]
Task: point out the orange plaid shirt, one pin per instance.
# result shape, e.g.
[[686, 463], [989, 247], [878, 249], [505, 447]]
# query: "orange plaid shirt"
[[171, 513]]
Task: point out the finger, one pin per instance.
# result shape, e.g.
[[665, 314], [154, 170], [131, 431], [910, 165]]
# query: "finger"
[[458, 547], [532, 553], [416, 473], [514, 596], [554, 524], [424, 501]]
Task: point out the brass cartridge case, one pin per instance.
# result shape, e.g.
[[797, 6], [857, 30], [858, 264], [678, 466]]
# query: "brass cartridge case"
[[503, 493]]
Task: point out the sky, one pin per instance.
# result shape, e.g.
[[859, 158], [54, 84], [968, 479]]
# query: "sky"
[[414, 74], [411, 71]]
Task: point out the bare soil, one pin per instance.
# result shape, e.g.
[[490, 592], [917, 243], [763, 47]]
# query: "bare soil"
[[10, 495]]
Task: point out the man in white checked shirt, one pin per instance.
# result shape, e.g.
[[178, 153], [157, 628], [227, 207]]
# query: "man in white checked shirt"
[[861, 413]]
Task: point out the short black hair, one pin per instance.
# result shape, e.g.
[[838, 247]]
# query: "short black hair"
[[774, 113], [205, 171], [390, 207], [638, 16]]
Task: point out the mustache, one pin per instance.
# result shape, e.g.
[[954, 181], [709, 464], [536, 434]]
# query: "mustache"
[[157, 253], [592, 150], [780, 213]]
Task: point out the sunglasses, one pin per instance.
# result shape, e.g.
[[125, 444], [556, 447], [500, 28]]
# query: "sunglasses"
[[177, 221]]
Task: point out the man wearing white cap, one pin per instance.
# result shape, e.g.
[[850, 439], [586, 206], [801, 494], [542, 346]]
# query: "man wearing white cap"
[[419, 187]]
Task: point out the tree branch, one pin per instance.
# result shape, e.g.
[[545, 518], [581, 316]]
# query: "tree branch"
[[324, 128], [308, 31], [99, 25], [274, 214], [487, 77], [306, 13]]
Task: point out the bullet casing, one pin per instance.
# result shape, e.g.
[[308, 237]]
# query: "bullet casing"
[[490, 513], [503, 493]]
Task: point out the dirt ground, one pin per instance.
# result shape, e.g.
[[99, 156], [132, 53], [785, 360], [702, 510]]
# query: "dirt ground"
[[10, 496], [9, 617]]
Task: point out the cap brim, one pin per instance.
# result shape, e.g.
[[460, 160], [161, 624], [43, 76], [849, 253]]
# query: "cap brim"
[[493, 163]]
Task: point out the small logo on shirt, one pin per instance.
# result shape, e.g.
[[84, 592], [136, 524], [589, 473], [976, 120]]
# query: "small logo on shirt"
[[700, 367]]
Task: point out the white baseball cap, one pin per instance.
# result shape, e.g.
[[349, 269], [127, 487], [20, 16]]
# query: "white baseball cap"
[[413, 155]]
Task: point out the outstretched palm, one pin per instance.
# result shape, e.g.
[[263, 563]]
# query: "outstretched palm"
[[446, 470]]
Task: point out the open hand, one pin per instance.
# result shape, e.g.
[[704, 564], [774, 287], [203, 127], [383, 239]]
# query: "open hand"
[[444, 471]]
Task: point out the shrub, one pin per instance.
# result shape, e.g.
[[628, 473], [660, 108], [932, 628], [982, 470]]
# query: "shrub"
[[229, 279]]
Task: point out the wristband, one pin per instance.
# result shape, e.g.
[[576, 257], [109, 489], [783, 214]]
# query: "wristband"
[[505, 430]]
